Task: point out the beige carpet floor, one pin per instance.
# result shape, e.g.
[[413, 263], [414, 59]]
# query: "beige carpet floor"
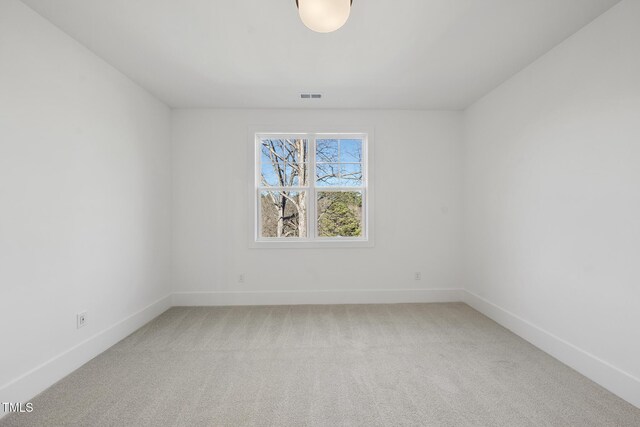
[[369, 365]]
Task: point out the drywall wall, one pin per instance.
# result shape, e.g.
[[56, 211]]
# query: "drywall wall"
[[84, 203], [552, 201], [416, 178]]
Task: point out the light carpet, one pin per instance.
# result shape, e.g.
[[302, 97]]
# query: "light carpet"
[[369, 365]]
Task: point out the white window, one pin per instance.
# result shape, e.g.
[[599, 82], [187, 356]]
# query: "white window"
[[311, 189]]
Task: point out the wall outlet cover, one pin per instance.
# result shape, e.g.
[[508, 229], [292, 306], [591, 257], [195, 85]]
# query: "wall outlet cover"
[[81, 319]]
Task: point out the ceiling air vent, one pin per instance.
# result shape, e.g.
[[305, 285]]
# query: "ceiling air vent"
[[310, 95]]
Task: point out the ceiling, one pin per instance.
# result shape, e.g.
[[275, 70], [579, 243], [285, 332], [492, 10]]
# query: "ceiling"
[[422, 54]]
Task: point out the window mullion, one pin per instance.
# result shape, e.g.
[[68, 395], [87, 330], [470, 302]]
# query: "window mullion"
[[311, 220]]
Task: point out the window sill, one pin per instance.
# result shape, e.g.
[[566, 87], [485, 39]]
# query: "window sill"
[[315, 244]]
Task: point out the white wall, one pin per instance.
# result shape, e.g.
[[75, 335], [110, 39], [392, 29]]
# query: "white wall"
[[84, 202], [552, 200], [417, 212]]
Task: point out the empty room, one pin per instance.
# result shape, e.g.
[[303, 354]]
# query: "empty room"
[[320, 213]]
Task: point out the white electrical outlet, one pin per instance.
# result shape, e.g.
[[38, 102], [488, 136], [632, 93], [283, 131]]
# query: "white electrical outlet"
[[241, 278], [417, 275], [82, 319]]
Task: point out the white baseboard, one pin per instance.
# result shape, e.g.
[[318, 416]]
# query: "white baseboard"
[[43, 376], [317, 297], [608, 376]]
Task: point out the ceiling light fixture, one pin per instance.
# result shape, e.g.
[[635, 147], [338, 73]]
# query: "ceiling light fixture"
[[324, 16]]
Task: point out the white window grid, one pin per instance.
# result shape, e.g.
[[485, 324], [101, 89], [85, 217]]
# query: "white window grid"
[[311, 189]]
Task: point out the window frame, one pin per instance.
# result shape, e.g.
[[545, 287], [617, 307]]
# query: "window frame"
[[312, 240]]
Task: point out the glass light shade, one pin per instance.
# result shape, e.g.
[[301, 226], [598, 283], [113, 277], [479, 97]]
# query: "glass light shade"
[[324, 16]]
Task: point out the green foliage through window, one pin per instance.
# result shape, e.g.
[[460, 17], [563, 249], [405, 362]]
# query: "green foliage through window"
[[340, 214]]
